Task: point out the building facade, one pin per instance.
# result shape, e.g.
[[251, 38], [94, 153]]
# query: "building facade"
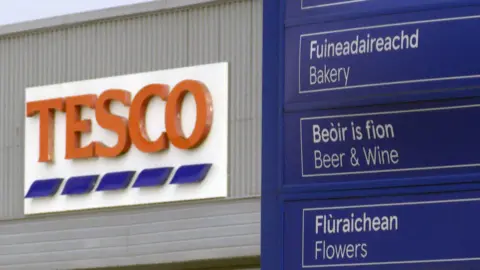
[[149, 37]]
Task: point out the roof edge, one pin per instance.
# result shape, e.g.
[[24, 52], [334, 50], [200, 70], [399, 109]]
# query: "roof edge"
[[100, 14]]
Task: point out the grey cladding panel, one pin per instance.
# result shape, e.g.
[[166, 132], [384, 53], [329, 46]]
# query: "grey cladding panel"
[[151, 235], [228, 31]]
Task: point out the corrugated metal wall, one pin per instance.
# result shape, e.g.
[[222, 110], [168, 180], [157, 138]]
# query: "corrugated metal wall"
[[227, 31], [153, 235]]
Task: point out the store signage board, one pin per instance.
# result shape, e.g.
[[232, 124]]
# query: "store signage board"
[[406, 232], [135, 139], [300, 9], [409, 57], [371, 112], [390, 142]]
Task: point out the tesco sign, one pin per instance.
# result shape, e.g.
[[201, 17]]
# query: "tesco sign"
[[143, 138]]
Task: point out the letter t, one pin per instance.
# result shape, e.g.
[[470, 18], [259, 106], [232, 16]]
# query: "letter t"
[[46, 109]]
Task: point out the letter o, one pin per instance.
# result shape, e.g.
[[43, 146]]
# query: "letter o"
[[203, 123], [328, 249], [333, 131]]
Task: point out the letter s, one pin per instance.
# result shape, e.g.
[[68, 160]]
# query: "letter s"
[[114, 123], [364, 251]]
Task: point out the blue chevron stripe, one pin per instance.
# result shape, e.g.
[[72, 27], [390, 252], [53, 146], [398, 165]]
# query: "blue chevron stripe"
[[119, 180], [191, 174], [80, 185], [153, 177], [115, 181], [44, 188]]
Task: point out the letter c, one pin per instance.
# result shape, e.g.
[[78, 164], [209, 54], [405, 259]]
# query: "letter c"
[[137, 126], [396, 47]]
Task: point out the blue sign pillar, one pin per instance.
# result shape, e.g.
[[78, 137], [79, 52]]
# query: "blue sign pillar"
[[371, 134]]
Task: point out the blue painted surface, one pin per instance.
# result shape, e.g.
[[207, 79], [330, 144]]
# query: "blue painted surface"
[[152, 177], [44, 188], [401, 141], [115, 181], [272, 133], [437, 149], [418, 56], [407, 231], [80, 185], [190, 174]]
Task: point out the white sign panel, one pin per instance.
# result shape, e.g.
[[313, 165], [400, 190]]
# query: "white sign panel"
[[135, 139]]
